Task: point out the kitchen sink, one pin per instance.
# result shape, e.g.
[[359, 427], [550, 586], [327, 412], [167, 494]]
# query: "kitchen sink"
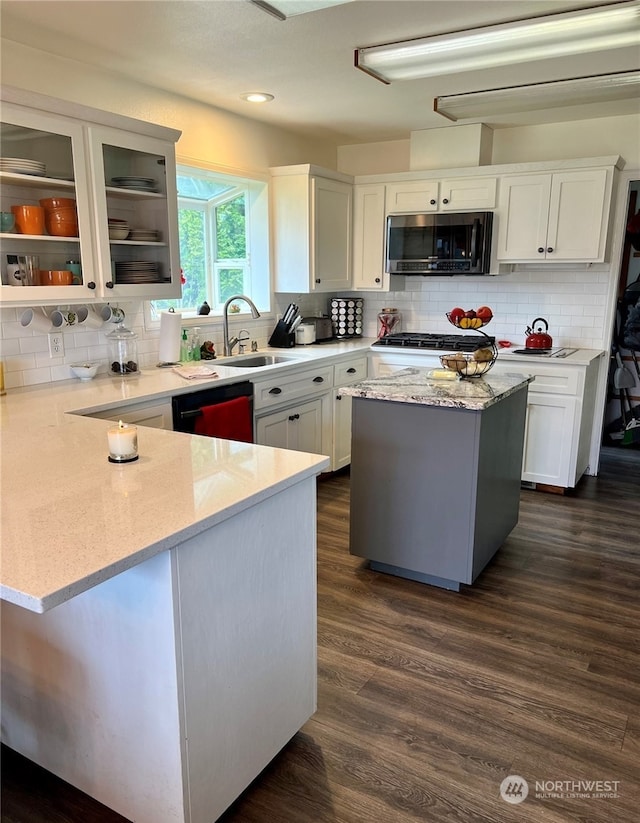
[[243, 361]]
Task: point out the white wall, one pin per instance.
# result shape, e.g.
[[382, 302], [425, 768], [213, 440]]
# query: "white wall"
[[523, 144]]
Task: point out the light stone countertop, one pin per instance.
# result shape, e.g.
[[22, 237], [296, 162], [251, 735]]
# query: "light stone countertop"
[[70, 519], [416, 386]]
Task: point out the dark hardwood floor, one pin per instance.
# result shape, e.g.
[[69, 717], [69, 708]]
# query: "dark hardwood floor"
[[428, 699]]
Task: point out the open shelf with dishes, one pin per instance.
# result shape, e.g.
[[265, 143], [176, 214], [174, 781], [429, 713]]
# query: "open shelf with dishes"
[[101, 168]]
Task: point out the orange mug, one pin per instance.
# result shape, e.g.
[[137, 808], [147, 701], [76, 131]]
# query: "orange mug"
[[29, 219]]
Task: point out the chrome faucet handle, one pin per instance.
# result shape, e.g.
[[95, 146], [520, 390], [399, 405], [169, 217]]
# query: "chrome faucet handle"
[[243, 336]]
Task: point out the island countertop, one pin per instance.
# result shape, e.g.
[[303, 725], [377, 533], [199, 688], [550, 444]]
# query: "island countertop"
[[416, 386]]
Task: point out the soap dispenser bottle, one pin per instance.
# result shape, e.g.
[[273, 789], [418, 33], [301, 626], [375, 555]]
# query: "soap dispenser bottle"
[[184, 347]]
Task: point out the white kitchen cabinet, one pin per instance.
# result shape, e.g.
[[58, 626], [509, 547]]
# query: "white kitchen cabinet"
[[455, 194], [369, 238], [293, 411], [310, 229], [554, 217], [344, 375], [83, 151], [298, 427]]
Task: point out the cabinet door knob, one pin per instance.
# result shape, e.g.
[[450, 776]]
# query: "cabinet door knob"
[[445, 200], [91, 285], [317, 279], [541, 250], [275, 390], [550, 249], [318, 379], [338, 397], [351, 370], [109, 284], [377, 279], [293, 417], [433, 202]]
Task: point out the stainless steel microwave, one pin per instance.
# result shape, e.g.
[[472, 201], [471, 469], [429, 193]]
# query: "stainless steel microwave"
[[444, 244]]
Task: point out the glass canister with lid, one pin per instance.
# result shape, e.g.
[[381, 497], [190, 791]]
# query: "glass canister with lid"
[[390, 320], [123, 351]]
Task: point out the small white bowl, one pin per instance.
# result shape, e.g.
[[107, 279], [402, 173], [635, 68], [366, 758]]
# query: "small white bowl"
[[84, 371], [116, 233]]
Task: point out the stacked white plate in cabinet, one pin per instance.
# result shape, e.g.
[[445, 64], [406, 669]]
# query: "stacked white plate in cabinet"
[[144, 235], [135, 183], [17, 165], [137, 271]]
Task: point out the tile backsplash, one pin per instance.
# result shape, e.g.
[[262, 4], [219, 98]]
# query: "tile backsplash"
[[572, 301]]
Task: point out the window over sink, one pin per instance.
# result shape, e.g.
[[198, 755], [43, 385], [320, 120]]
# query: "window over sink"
[[224, 250]]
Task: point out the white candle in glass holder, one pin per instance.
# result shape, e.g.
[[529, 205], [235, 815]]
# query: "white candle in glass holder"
[[123, 441]]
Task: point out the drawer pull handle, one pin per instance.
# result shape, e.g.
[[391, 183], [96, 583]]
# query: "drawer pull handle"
[[294, 417], [275, 390], [318, 379], [351, 370]]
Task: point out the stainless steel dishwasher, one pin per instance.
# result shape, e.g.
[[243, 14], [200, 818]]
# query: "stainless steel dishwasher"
[[188, 408]]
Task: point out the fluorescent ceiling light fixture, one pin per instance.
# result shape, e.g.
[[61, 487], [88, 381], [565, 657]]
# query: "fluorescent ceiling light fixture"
[[516, 99], [283, 9], [538, 38], [257, 97]]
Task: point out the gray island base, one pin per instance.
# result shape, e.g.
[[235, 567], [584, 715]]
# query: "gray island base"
[[435, 473]]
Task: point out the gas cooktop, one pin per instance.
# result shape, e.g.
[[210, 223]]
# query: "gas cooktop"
[[443, 342]]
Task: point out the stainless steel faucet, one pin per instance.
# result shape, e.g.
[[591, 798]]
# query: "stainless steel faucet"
[[229, 343]]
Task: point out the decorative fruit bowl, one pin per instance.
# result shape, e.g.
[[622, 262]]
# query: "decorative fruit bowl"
[[471, 318], [474, 364]]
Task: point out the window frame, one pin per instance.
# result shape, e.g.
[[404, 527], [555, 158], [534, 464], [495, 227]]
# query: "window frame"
[[256, 269]]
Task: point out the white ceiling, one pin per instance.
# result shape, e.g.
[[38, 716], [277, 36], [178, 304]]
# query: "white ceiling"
[[214, 50]]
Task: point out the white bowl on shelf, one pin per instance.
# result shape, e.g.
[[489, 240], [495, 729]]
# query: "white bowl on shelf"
[[116, 233], [84, 371]]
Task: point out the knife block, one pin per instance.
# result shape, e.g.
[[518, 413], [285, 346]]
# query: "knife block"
[[281, 337]]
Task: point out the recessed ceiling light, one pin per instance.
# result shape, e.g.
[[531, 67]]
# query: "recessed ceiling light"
[[257, 97]]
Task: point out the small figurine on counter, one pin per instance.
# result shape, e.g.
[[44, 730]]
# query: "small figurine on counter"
[[205, 308], [207, 351]]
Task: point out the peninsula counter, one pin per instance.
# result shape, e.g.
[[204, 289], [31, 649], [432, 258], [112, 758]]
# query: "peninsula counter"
[[435, 472]]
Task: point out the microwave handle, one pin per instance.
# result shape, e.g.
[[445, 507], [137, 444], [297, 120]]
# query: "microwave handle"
[[475, 233]]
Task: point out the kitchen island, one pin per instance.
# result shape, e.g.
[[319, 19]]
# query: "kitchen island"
[[158, 626], [435, 472]]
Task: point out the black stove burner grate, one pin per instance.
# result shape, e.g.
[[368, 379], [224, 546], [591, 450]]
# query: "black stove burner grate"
[[436, 342]]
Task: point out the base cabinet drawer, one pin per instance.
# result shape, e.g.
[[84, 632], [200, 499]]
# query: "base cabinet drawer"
[[280, 390]]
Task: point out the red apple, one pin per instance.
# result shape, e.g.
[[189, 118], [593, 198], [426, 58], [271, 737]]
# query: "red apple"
[[484, 313], [470, 313], [456, 314]]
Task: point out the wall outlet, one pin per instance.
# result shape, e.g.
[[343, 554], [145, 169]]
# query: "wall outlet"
[[56, 344]]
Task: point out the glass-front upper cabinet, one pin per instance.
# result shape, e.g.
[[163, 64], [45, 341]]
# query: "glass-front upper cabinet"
[[136, 218], [46, 210], [89, 211]]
